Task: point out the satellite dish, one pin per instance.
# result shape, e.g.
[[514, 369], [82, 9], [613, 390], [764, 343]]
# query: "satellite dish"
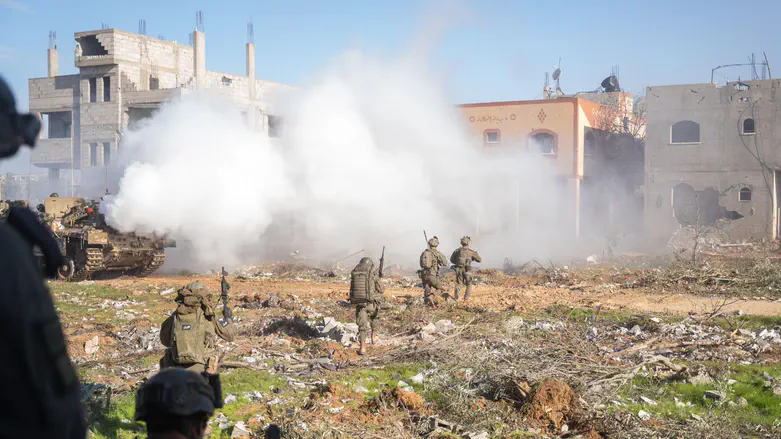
[[610, 84], [556, 74]]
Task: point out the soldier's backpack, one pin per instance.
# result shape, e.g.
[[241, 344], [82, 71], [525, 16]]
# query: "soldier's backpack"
[[427, 259], [461, 257], [361, 285], [189, 331]]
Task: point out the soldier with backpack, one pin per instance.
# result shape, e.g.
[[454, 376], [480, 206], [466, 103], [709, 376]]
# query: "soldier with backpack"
[[462, 260], [430, 262], [191, 331], [366, 292]]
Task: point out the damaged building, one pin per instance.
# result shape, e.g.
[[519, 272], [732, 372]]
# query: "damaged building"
[[595, 149], [122, 79], [711, 157]]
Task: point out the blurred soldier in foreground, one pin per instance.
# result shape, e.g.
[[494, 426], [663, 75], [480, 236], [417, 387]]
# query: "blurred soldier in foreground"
[[40, 397], [366, 292], [190, 332], [462, 260], [430, 262], [177, 404]]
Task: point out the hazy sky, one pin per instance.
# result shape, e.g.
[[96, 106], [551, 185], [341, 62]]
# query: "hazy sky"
[[488, 49]]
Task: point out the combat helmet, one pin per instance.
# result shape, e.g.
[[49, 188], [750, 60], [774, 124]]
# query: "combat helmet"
[[433, 242], [176, 392], [366, 261], [465, 241]]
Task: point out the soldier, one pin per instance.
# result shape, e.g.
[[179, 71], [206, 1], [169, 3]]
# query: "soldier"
[[462, 264], [191, 331], [178, 403], [366, 292], [40, 397], [430, 262]]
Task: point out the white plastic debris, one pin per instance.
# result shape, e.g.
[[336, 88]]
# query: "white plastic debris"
[[230, 398], [643, 415]]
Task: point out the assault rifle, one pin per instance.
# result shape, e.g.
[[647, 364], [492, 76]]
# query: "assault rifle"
[[382, 262]]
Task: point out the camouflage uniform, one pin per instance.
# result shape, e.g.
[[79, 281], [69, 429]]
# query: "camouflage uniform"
[[222, 328], [366, 313], [462, 260], [429, 270]]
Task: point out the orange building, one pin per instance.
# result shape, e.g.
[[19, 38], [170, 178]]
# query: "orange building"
[[571, 132]]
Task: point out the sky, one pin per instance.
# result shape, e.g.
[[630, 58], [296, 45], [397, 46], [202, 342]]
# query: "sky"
[[485, 50]]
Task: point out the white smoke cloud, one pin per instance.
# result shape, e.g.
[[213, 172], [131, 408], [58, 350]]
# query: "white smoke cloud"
[[372, 153]]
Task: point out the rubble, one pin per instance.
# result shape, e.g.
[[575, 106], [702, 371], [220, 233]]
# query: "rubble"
[[91, 346], [240, 430]]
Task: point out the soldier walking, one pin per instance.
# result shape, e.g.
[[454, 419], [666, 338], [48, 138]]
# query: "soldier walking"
[[366, 293], [462, 259], [191, 331], [430, 262]]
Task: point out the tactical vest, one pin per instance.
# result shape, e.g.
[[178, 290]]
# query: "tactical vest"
[[462, 257], [361, 285], [428, 260]]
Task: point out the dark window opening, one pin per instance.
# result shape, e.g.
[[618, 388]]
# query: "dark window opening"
[[154, 83], [543, 143], [106, 153], [590, 144], [93, 154], [492, 137], [744, 194], [93, 92], [227, 81], [685, 131], [137, 115], [57, 125], [90, 46], [699, 208], [274, 126], [107, 89], [748, 126]]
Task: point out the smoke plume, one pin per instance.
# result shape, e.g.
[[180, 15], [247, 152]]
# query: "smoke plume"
[[372, 153]]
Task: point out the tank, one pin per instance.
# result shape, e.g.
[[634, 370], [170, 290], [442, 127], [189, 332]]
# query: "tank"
[[92, 249]]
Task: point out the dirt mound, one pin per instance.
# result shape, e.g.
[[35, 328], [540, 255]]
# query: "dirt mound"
[[409, 400], [551, 405]]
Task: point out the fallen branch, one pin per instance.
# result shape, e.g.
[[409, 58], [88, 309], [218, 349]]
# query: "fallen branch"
[[628, 375]]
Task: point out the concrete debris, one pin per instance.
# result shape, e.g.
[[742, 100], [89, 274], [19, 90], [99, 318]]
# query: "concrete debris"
[[167, 292], [443, 326], [240, 430], [648, 401], [644, 415], [636, 331], [700, 379], [564, 428], [91, 346], [593, 259], [230, 399], [223, 422], [276, 401], [513, 323], [429, 329], [714, 395], [592, 333], [273, 301], [404, 386], [481, 435], [731, 382], [360, 389], [419, 378], [696, 417]]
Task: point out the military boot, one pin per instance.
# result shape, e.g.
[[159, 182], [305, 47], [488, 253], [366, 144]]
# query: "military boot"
[[468, 291], [362, 349], [427, 300], [458, 291], [374, 337]]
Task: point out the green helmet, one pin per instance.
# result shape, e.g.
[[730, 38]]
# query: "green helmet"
[[366, 261], [176, 392], [465, 241], [433, 242]]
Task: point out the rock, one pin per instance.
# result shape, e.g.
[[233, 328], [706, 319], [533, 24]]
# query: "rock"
[[656, 320], [91, 346], [714, 395], [418, 379], [700, 379], [273, 301], [648, 401], [230, 398], [240, 430], [768, 377], [429, 329], [481, 435], [741, 401], [352, 328], [635, 331], [564, 428], [593, 259], [777, 390], [643, 415], [443, 326], [739, 312]]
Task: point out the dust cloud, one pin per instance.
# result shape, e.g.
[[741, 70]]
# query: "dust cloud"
[[372, 153]]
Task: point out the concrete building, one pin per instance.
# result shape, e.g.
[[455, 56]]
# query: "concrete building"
[[599, 167], [711, 154], [123, 77]]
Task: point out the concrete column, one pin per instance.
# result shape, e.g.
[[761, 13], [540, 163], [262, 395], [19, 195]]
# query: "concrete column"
[[199, 58], [54, 180], [54, 62], [251, 111]]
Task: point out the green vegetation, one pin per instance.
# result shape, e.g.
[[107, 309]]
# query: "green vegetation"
[[376, 379], [117, 421]]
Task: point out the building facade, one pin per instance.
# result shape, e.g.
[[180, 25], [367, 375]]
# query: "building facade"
[[711, 156], [123, 77], [598, 166]]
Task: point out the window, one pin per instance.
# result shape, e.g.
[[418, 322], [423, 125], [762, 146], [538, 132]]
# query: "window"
[[154, 83], [492, 137], [589, 144], [685, 131], [107, 89], [543, 143], [93, 154], [106, 153], [744, 194], [748, 126], [93, 89]]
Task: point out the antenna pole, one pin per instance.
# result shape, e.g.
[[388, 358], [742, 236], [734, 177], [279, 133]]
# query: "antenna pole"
[[767, 64]]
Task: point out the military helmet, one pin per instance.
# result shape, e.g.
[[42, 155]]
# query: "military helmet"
[[465, 241], [365, 261], [175, 392], [197, 288], [433, 242]]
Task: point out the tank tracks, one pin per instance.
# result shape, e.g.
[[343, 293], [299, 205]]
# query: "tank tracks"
[[157, 260], [94, 263]]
